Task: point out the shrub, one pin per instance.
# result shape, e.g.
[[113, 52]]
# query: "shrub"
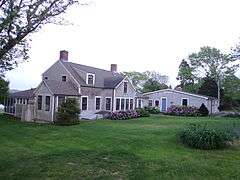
[[142, 112], [68, 112], [203, 111], [182, 110], [204, 137], [152, 110], [122, 115]]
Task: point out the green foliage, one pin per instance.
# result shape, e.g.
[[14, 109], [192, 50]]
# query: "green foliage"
[[231, 85], [209, 87], [203, 110], [211, 62], [18, 20], [152, 110], [142, 112], [204, 137], [153, 85], [139, 79], [4, 89], [185, 74], [68, 112]]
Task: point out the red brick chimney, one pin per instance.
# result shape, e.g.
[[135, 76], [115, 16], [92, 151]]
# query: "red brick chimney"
[[64, 55], [114, 67]]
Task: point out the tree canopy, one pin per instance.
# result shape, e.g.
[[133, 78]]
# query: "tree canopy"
[[148, 80], [20, 18], [4, 89]]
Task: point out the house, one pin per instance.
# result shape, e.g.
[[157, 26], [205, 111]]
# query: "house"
[[96, 90], [167, 97]]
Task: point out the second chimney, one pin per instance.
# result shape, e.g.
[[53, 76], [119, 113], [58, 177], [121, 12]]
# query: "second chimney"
[[114, 67], [64, 55]]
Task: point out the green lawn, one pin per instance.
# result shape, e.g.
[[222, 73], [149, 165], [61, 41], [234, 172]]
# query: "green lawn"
[[146, 148]]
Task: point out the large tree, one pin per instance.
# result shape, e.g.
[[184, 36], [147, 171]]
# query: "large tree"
[[211, 62], [19, 19], [153, 85], [139, 79]]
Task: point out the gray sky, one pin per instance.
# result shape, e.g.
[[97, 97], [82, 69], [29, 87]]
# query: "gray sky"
[[138, 35]]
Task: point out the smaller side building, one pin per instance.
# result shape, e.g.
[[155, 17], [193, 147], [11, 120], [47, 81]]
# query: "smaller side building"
[[163, 99]]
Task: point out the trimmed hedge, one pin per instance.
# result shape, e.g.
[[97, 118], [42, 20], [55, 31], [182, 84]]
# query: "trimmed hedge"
[[152, 110], [204, 137], [142, 112]]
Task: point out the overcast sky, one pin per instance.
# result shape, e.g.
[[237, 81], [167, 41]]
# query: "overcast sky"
[[138, 35]]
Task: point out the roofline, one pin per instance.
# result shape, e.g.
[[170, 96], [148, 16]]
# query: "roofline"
[[125, 77], [181, 92]]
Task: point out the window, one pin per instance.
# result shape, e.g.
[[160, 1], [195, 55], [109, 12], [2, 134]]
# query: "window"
[[122, 104], [61, 100], [64, 78], [46, 78], [125, 87], [117, 104], [39, 102], [21, 100], [184, 101], [127, 104], [150, 102], [157, 103], [47, 103], [108, 104], [84, 103], [90, 79], [98, 103], [139, 103], [131, 104]]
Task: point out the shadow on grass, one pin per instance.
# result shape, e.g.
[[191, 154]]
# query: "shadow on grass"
[[74, 165]]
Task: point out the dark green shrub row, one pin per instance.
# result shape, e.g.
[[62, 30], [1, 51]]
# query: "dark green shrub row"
[[152, 110], [142, 112], [204, 137]]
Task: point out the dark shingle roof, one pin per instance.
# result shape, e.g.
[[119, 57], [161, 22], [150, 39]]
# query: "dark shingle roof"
[[103, 78], [62, 88], [23, 94]]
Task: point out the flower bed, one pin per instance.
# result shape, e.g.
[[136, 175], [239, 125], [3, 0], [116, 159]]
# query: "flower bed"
[[182, 110], [122, 115]]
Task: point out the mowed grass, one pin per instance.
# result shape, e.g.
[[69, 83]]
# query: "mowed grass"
[[145, 148]]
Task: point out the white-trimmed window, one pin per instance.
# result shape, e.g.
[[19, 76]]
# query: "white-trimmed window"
[[125, 86], [185, 101], [122, 104], [117, 104], [127, 104], [156, 103], [139, 103], [84, 103], [64, 78], [47, 103], [90, 79], [131, 104], [97, 103], [39, 102], [150, 102], [108, 103]]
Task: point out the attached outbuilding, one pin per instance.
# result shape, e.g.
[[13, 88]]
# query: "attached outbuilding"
[[165, 98]]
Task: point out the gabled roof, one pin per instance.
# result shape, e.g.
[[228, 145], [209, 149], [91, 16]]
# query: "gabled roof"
[[181, 92], [103, 78], [61, 88], [23, 94]]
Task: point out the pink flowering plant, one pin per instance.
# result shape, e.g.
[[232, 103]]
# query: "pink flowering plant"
[[122, 115], [182, 111]]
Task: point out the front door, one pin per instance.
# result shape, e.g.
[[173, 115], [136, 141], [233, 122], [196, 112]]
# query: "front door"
[[164, 104]]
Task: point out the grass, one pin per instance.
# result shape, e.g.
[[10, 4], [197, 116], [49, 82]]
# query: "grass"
[[147, 148]]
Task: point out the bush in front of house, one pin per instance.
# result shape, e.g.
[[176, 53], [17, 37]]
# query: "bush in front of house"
[[203, 111], [122, 115], [204, 137], [152, 110], [68, 112], [142, 112], [182, 111]]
